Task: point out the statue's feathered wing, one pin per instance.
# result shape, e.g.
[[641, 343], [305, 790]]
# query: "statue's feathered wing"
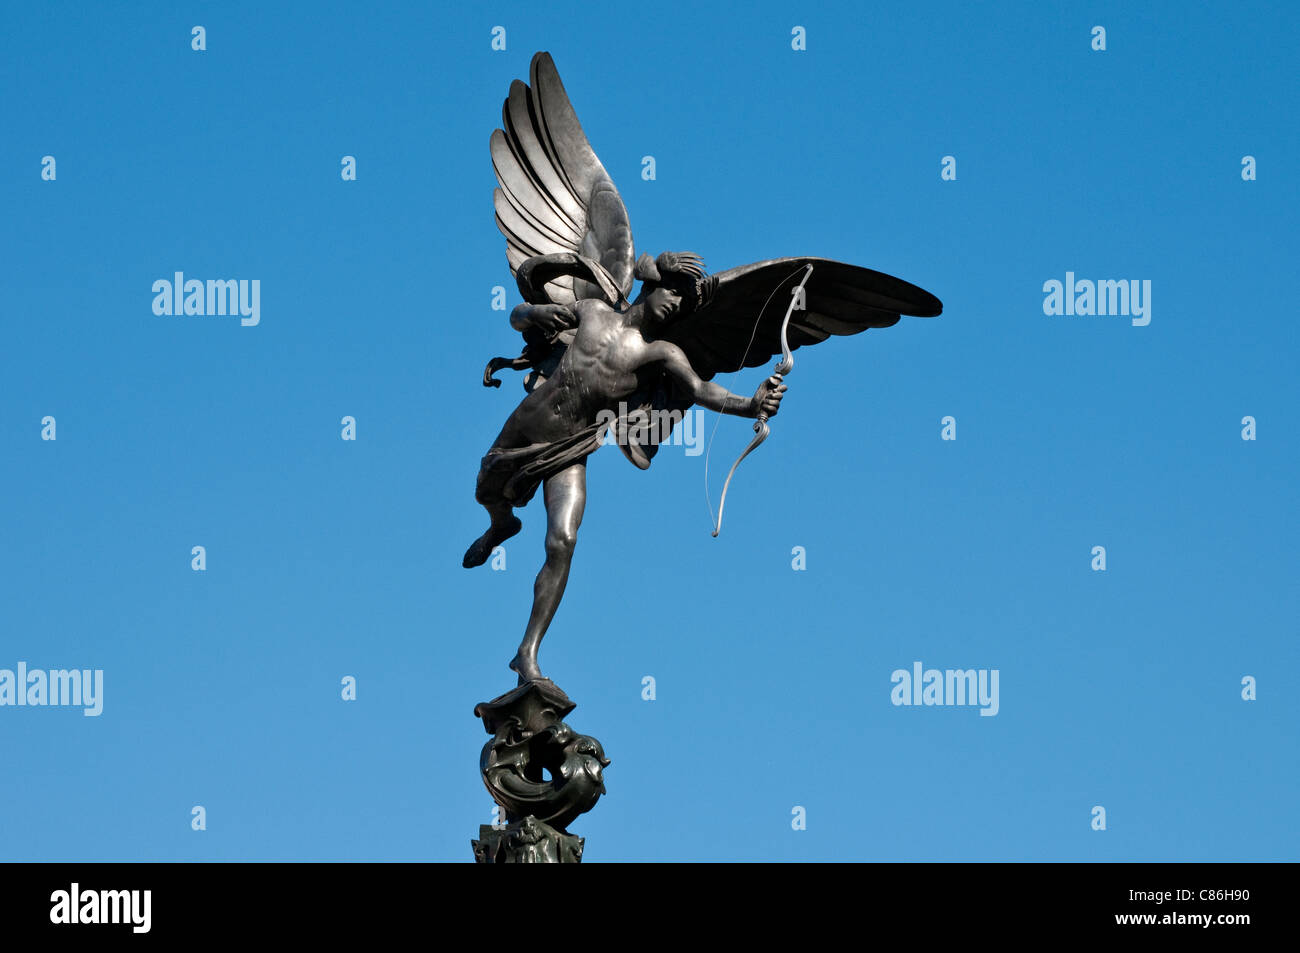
[[727, 332], [738, 322], [553, 194]]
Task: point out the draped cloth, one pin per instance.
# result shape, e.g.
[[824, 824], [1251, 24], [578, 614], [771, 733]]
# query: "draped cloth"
[[513, 474]]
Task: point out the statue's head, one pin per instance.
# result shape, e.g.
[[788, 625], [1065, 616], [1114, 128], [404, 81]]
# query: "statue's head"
[[673, 286]]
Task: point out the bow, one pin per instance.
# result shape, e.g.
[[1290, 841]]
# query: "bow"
[[761, 429]]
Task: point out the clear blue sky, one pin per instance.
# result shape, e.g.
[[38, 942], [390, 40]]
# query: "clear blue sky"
[[328, 558]]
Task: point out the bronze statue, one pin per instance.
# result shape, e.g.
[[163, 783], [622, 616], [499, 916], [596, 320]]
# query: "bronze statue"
[[591, 351]]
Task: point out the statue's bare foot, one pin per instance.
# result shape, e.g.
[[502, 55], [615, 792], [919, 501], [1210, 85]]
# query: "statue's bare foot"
[[526, 669], [496, 534]]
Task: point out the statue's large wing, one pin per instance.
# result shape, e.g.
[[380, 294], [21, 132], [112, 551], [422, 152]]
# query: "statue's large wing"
[[841, 299], [553, 194]]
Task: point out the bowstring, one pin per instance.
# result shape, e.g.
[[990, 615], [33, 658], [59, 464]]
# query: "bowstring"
[[708, 450]]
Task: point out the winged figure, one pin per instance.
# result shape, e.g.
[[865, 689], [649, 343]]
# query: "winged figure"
[[600, 361]]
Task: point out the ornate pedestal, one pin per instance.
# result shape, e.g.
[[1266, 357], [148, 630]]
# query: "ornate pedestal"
[[541, 772]]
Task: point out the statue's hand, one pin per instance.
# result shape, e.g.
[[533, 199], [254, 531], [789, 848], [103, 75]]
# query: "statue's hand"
[[551, 319], [767, 399]]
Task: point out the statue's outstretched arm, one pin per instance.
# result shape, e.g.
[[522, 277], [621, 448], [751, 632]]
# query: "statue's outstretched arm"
[[710, 395]]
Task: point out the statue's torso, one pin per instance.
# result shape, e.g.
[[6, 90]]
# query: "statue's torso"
[[597, 371]]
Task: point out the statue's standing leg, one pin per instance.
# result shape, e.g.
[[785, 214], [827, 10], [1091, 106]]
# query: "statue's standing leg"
[[565, 495]]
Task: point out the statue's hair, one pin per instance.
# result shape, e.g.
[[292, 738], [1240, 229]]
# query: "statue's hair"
[[683, 272]]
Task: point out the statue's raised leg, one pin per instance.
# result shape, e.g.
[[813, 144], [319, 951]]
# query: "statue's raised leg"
[[504, 525]]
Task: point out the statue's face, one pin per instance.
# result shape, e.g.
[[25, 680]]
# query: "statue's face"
[[662, 305]]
